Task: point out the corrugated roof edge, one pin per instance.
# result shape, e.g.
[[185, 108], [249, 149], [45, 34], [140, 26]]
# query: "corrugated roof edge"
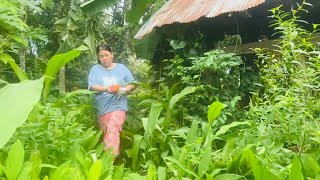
[[217, 8]]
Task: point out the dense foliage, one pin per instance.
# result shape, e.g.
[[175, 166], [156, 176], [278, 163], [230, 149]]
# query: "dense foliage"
[[188, 124]]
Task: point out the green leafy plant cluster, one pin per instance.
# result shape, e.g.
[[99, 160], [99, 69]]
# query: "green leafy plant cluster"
[[221, 76], [290, 79], [79, 165], [284, 115], [53, 128], [181, 134], [282, 139]]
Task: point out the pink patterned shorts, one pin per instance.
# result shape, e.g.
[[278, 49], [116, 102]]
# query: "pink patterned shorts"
[[111, 124]]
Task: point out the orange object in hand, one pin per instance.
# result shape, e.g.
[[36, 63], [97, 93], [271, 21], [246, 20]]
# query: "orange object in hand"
[[114, 87]]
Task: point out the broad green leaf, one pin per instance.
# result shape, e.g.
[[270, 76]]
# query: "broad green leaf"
[[94, 140], [134, 176], [74, 12], [146, 47], [228, 176], [181, 132], [108, 178], [162, 173], [225, 128], [214, 111], [19, 72], [3, 82], [260, 172], [206, 156], [65, 171], [155, 111], [135, 151], [95, 171], [148, 102], [55, 64], [310, 165], [77, 92], [145, 124], [6, 58], [118, 172], [183, 93], [1, 169], [35, 159], [31, 169], [174, 149], [9, 17], [58, 61], [82, 48], [48, 166], [17, 101], [90, 42], [173, 160], [192, 134], [138, 9], [175, 44], [65, 47], [295, 170], [183, 153], [62, 21], [228, 148], [215, 172], [107, 158], [26, 173], [93, 7], [14, 160], [152, 172], [47, 4]]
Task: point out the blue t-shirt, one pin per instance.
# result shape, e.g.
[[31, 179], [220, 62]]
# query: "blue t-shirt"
[[106, 102]]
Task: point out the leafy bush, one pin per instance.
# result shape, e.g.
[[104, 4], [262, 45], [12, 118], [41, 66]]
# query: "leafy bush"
[[54, 127], [284, 115]]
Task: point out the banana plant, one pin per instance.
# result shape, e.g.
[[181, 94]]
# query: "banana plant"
[[18, 99]]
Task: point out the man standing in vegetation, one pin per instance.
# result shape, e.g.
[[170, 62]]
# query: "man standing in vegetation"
[[113, 81]]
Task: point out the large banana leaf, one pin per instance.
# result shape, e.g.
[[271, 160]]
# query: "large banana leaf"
[[6, 58], [55, 64], [94, 6], [138, 8], [146, 47], [9, 16], [47, 4], [17, 101]]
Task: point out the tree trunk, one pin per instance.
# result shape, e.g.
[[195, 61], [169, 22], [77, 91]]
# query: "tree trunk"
[[62, 80], [127, 36], [22, 56], [114, 11], [22, 51]]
